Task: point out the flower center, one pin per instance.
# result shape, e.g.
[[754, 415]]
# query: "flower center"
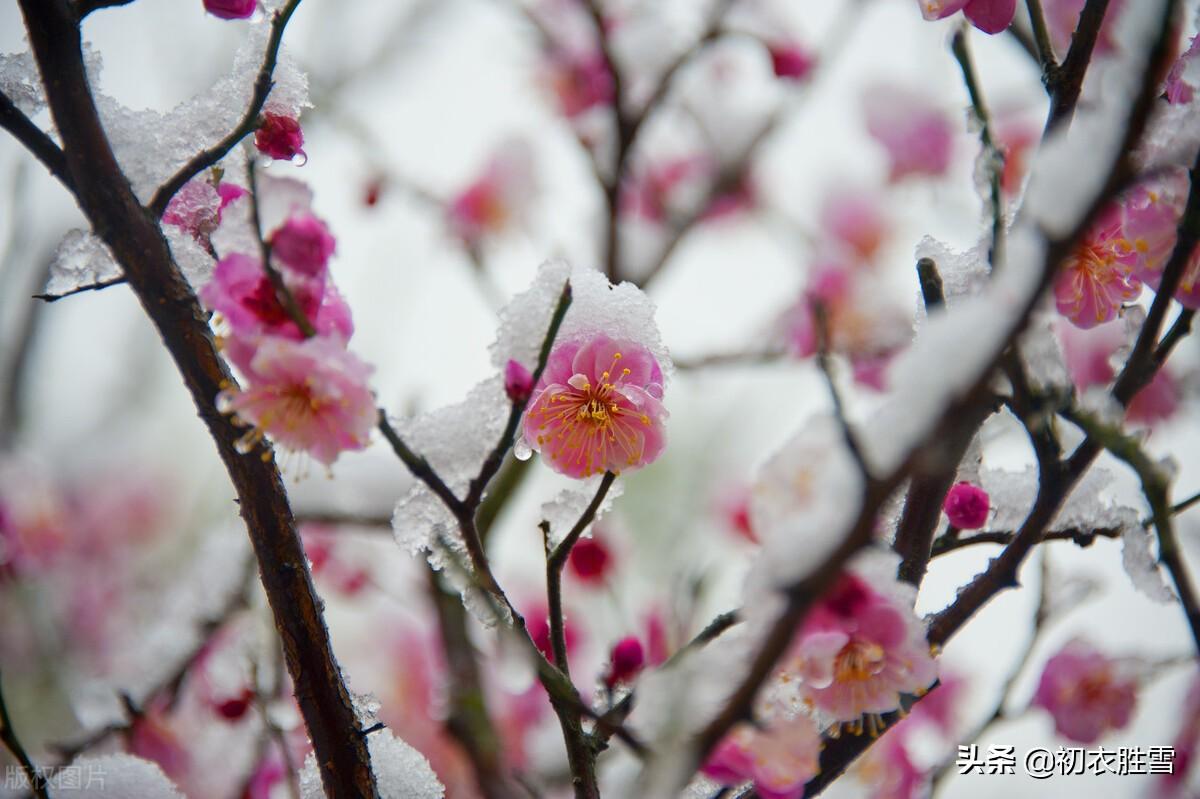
[[857, 662]]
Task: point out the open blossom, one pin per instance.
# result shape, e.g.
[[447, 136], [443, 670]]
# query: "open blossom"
[[779, 759], [242, 293], [597, 408], [1089, 355], [856, 220], [580, 81], [966, 506], [858, 651], [309, 396], [1087, 693], [231, 9], [1097, 278], [279, 137], [498, 197], [1152, 213], [990, 16], [304, 243], [918, 136]]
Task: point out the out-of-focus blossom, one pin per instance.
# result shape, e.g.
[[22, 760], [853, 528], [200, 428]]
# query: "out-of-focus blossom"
[[597, 408], [1062, 17], [518, 381], [305, 244], [1180, 87], [495, 200], [1186, 743], [966, 506], [734, 508], [1097, 278], [858, 652], [309, 396], [658, 639], [373, 191], [539, 630], [152, 738], [195, 209], [918, 136], [856, 220], [242, 293], [1152, 213], [741, 198], [890, 771], [229, 192], [990, 16], [269, 772], [590, 560], [580, 80], [1016, 139], [1087, 693], [1089, 354], [790, 60], [652, 191], [279, 137], [231, 9], [625, 661], [779, 759]]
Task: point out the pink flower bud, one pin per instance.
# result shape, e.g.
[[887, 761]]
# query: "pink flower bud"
[[518, 381], [279, 137], [590, 560], [626, 659], [231, 9], [790, 61], [304, 244], [234, 708], [966, 506]]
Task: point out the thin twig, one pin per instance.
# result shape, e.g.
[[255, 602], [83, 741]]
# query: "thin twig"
[[1041, 37], [283, 295], [97, 286], [249, 121], [35, 140], [1066, 83], [8, 736]]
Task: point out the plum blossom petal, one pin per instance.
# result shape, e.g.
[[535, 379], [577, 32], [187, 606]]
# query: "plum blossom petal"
[[499, 197], [1097, 278], [779, 759], [1086, 692], [305, 244], [597, 408], [231, 9], [918, 136], [309, 396]]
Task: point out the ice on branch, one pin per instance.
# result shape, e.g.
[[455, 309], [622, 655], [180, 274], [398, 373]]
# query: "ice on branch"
[[567, 507], [401, 772], [21, 83], [80, 260], [963, 274], [152, 146], [1142, 566], [119, 776], [804, 500]]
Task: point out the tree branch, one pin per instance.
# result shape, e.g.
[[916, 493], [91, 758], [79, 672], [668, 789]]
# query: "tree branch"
[[98, 286], [85, 7], [249, 121], [35, 140], [133, 235], [1066, 82]]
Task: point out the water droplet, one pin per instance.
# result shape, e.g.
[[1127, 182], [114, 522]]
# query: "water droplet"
[[521, 450]]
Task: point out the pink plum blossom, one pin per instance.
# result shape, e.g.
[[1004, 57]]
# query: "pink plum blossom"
[[858, 651], [229, 192], [1097, 278], [652, 190], [309, 396], [779, 759], [1016, 139], [518, 381], [917, 135], [990, 16], [734, 508], [304, 243], [1089, 354], [1152, 213], [242, 293], [590, 560], [1087, 693], [597, 408], [231, 9], [889, 768], [625, 661], [580, 81], [791, 61], [1179, 89], [1185, 744], [495, 200], [279, 137], [856, 220], [195, 209], [966, 506]]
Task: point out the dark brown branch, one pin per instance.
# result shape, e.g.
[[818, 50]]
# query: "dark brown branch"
[[133, 235], [8, 736], [1066, 82], [85, 7], [248, 122], [35, 140], [98, 286]]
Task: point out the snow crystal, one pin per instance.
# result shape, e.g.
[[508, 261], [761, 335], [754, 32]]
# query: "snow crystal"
[[1042, 355], [565, 509], [621, 312], [1065, 178], [151, 146], [193, 260], [1141, 565], [401, 772], [80, 260], [963, 273], [118, 776], [21, 83], [804, 500]]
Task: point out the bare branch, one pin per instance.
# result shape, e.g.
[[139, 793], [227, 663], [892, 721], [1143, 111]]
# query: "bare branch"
[[35, 140]]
